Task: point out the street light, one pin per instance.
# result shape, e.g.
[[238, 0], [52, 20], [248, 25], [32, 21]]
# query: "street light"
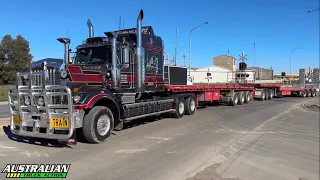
[[190, 42], [290, 60]]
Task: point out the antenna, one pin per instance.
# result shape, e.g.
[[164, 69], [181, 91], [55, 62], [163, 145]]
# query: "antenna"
[[120, 23]]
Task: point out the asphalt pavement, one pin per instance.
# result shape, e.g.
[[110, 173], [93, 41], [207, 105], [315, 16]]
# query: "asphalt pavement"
[[274, 139]]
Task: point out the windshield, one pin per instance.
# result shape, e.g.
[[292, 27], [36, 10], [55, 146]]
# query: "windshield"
[[94, 55]]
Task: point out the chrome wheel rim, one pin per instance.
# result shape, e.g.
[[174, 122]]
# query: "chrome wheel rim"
[[248, 97], [236, 100], [181, 107], [103, 125], [192, 105]]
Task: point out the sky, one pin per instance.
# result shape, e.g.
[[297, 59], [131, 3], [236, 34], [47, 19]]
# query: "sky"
[[275, 26]]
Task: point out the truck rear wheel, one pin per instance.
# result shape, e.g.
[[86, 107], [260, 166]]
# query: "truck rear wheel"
[[98, 124], [247, 97], [241, 97], [190, 105], [234, 100], [180, 108]]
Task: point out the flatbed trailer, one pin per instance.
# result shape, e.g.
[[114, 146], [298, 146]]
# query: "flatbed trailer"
[[262, 91]]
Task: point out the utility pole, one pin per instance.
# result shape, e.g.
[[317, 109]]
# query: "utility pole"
[[184, 60], [176, 49]]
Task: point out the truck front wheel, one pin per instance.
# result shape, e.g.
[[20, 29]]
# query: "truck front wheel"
[[98, 124]]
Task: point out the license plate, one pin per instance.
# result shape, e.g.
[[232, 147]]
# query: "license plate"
[[16, 119], [60, 123]]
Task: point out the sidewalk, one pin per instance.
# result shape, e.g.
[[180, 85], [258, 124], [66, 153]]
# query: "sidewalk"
[[286, 147]]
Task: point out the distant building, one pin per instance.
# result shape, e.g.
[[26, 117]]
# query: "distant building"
[[210, 74], [225, 61], [262, 73]]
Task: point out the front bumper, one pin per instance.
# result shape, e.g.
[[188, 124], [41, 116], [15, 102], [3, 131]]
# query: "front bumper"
[[37, 121]]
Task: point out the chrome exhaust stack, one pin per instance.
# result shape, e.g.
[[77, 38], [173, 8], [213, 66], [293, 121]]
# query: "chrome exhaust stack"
[[140, 69], [66, 42], [91, 31]]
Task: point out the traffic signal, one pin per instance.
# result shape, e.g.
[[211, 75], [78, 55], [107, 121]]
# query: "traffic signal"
[[283, 74], [242, 66]]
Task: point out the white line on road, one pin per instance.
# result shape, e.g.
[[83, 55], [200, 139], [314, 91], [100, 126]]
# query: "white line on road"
[[7, 147], [130, 151], [158, 138]]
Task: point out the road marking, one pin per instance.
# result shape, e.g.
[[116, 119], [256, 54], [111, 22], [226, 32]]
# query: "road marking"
[[158, 138], [130, 151], [172, 152], [7, 147]]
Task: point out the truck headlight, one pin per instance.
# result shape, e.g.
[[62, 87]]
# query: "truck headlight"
[[41, 101], [27, 100], [76, 98], [26, 76], [63, 74]]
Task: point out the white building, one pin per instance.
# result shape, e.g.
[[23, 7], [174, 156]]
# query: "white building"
[[210, 74]]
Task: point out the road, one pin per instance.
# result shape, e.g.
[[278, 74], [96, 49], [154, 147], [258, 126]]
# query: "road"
[[274, 139], [4, 110]]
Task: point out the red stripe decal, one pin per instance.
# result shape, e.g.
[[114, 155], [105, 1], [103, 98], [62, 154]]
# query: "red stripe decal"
[[77, 75]]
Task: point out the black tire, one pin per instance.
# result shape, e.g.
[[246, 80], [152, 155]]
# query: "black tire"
[[263, 95], [180, 108], [247, 97], [314, 93], [271, 94], [241, 97], [234, 100], [190, 105], [267, 94], [304, 93], [90, 121], [310, 93]]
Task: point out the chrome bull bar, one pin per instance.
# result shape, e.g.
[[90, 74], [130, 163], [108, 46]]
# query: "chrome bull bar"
[[33, 120]]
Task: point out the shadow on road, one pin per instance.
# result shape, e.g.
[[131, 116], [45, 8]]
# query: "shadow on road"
[[32, 140]]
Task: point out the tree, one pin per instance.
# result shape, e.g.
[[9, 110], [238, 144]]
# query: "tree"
[[14, 57]]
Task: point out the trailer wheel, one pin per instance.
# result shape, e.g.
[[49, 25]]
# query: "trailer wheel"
[[180, 108], [310, 93], [247, 97], [241, 97], [190, 105], [304, 93], [314, 93], [234, 100], [263, 95], [269, 94], [98, 124]]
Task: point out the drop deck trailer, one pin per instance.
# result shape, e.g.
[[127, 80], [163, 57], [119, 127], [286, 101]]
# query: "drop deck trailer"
[[113, 80]]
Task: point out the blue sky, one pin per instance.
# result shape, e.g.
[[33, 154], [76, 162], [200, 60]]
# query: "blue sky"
[[276, 26]]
